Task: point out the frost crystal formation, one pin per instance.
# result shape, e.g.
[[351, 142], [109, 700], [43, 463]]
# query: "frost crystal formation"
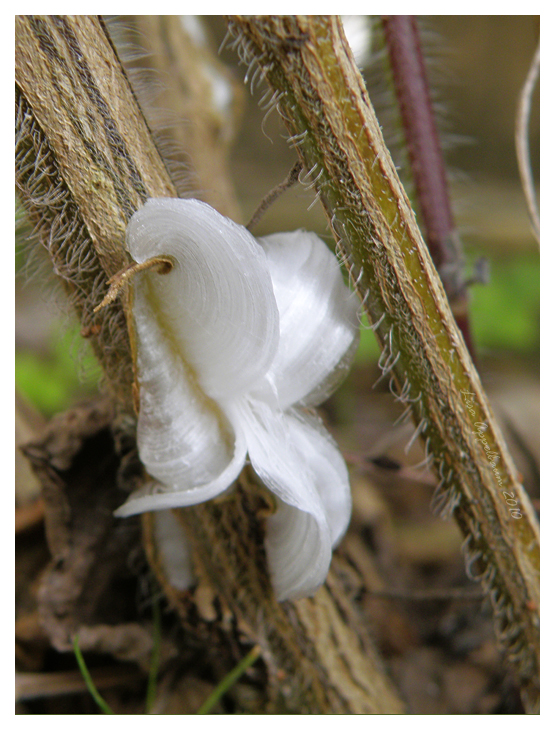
[[233, 348]]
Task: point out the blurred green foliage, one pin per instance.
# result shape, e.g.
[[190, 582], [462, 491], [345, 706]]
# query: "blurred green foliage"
[[54, 381], [504, 313]]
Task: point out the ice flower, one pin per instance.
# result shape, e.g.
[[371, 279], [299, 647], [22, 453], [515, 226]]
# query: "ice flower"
[[233, 348]]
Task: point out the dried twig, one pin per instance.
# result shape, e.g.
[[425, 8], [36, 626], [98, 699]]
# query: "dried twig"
[[274, 194], [36, 685], [522, 143]]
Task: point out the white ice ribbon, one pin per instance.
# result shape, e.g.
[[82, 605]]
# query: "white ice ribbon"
[[232, 345]]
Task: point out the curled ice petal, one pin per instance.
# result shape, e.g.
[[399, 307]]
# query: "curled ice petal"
[[299, 552], [185, 440], [230, 345], [318, 318], [217, 303], [305, 470], [326, 467]]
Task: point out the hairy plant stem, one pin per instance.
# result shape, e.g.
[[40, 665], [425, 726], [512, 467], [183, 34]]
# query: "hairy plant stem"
[[85, 162], [321, 96]]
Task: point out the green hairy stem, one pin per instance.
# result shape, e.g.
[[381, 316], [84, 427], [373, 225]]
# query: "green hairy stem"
[[319, 92]]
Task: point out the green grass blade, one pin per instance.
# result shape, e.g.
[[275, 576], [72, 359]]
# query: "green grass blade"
[[105, 708], [229, 680]]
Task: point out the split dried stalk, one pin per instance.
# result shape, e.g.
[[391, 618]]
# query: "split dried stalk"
[[85, 162], [321, 96]]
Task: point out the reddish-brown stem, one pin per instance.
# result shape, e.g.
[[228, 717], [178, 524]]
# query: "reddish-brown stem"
[[426, 159]]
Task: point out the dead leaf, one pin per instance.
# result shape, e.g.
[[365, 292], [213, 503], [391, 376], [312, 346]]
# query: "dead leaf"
[[89, 580]]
